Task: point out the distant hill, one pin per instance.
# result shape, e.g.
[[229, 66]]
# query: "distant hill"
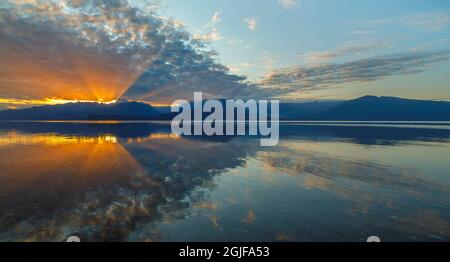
[[373, 108], [83, 111], [305, 110], [367, 108]]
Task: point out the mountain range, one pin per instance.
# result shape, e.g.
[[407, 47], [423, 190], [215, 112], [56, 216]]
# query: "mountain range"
[[83, 111], [366, 108]]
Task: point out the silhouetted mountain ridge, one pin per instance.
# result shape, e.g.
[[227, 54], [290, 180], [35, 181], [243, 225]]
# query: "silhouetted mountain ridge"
[[366, 108], [82, 111], [373, 108]]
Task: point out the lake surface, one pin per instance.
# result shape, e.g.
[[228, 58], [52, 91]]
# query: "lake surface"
[[126, 181]]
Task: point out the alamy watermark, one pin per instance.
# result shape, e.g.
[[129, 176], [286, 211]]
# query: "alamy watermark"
[[239, 117]]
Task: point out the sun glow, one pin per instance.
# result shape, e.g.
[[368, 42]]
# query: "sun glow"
[[50, 101], [14, 103], [159, 105]]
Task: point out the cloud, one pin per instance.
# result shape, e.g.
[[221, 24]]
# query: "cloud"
[[297, 79], [323, 57], [429, 21], [215, 19], [319, 57], [213, 35], [177, 77], [235, 41], [251, 23], [85, 50], [106, 49], [288, 4], [361, 32]]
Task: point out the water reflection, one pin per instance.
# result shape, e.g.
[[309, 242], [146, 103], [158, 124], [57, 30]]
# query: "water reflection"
[[138, 182]]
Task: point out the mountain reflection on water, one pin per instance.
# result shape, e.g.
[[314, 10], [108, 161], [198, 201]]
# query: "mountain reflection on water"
[[117, 181]]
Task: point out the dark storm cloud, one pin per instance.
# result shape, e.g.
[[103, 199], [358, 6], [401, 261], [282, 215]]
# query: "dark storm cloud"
[[297, 78], [74, 49], [87, 49], [177, 76]]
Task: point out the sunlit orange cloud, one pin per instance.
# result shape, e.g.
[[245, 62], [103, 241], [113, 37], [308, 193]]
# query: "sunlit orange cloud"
[[28, 80], [52, 67], [81, 51]]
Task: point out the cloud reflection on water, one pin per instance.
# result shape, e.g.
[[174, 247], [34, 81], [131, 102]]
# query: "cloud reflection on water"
[[123, 181]]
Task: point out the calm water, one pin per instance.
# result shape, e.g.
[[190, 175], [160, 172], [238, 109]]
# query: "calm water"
[[137, 182]]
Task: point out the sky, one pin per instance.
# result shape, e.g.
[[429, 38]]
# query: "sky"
[[158, 51]]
